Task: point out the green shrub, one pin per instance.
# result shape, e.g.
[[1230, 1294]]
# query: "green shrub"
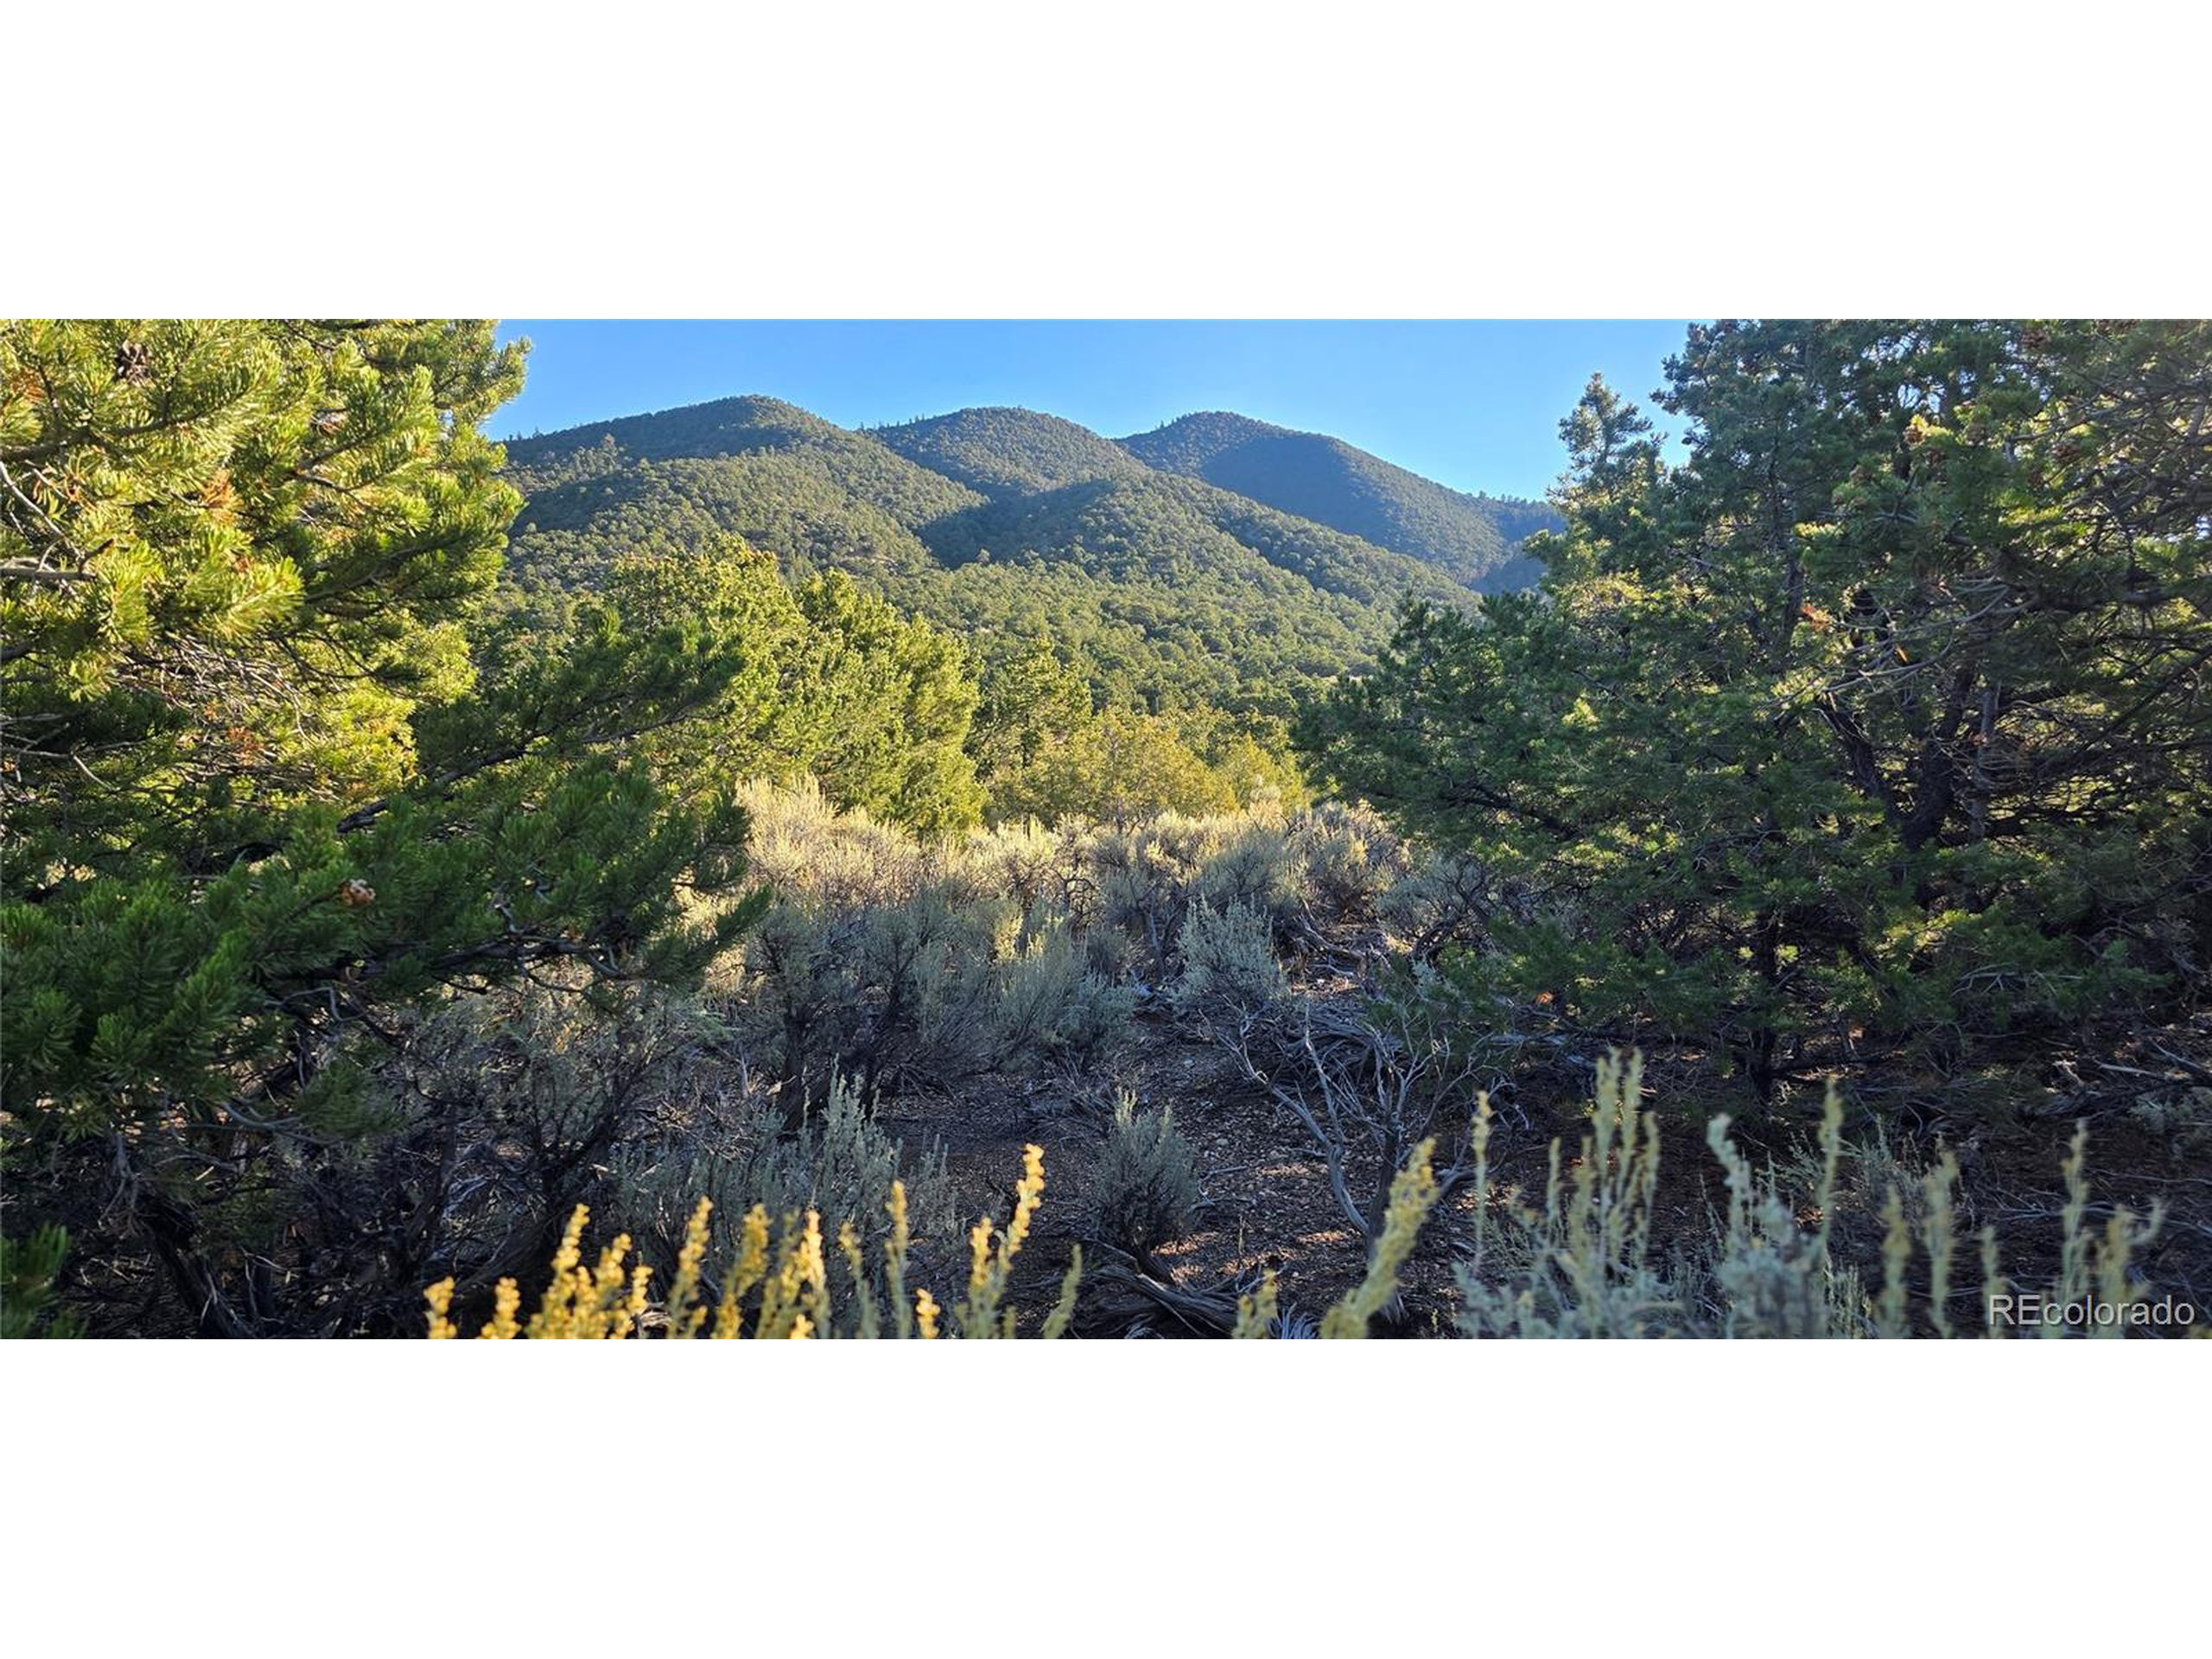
[[1052, 1003], [1443, 899], [1140, 879], [882, 956], [1145, 1193], [513, 1109], [29, 1267], [1246, 862], [1027, 863], [1229, 968], [740, 1151], [1344, 860], [2182, 1115], [1873, 733]]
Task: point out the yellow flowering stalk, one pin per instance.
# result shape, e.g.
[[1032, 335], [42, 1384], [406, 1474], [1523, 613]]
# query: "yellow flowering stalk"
[[685, 1314], [1255, 1314], [556, 1312], [440, 1297], [786, 1268], [1413, 1194], [506, 1300], [751, 1267], [989, 1269], [894, 1260]]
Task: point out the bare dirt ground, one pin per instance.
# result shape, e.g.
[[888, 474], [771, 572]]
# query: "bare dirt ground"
[[1267, 1206]]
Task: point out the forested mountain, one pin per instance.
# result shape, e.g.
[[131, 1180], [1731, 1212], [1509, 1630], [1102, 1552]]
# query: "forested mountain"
[[740, 426], [1475, 538], [1008, 452], [1015, 529]]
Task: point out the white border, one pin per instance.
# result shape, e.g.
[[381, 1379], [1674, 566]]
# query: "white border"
[[1144, 160], [1155, 158]]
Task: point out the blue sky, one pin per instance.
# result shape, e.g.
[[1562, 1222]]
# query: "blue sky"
[[1474, 404]]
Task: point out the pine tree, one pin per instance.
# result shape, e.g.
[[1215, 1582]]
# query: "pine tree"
[[901, 697], [1882, 724], [822, 681], [262, 794]]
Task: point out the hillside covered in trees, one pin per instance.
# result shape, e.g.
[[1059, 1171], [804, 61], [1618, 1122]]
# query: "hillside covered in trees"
[[1015, 529], [739, 852], [1103, 606], [1476, 538]]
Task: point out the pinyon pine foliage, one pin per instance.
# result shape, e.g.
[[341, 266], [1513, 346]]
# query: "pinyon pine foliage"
[[261, 793], [1880, 728]]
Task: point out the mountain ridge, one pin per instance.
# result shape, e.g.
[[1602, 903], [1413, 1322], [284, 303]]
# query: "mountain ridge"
[[1317, 476], [1011, 528], [999, 452]]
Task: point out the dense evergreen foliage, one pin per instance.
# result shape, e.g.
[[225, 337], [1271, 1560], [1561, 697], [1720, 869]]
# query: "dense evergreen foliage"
[[1193, 618], [1880, 728], [1012, 530], [262, 793], [834, 683], [1004, 453]]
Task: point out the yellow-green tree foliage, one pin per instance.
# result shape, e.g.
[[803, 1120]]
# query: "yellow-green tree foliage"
[[262, 788]]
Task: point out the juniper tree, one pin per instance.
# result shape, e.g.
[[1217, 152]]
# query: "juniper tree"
[[1881, 721]]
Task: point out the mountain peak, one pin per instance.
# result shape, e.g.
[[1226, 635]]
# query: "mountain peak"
[[1003, 451], [695, 431], [1331, 482], [1216, 425]]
